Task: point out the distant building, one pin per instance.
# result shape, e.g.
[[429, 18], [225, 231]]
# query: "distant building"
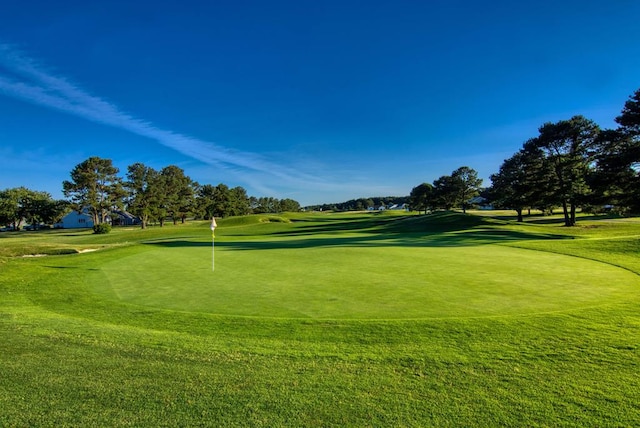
[[123, 218], [80, 220], [399, 207], [481, 203], [76, 220]]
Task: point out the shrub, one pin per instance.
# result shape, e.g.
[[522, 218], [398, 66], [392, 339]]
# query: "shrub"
[[102, 228]]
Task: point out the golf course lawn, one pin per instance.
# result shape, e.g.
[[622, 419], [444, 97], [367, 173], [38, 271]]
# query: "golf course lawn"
[[324, 319], [382, 282]]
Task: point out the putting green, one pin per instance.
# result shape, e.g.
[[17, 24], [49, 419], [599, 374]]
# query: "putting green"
[[360, 282]]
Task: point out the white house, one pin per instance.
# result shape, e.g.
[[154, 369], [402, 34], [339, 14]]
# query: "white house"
[[399, 207], [76, 220]]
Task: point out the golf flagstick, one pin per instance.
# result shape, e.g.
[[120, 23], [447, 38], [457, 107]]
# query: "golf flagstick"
[[213, 243]]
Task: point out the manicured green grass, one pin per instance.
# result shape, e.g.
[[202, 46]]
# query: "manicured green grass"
[[324, 320]]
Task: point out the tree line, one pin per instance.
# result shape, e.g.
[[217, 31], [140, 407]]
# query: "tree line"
[[447, 192], [149, 194], [570, 164], [362, 204], [575, 164]]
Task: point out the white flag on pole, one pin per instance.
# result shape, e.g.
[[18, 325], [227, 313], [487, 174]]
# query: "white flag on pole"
[[213, 226], [213, 240]]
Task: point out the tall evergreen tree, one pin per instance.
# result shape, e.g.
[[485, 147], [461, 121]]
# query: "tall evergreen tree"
[[566, 145], [629, 119], [422, 197], [96, 187], [144, 192], [238, 201], [467, 185], [627, 151], [178, 192], [445, 192], [509, 186]]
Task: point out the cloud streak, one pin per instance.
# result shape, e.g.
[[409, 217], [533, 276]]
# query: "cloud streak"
[[23, 78]]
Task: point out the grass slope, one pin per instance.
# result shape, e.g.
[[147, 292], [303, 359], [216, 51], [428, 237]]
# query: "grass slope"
[[324, 320]]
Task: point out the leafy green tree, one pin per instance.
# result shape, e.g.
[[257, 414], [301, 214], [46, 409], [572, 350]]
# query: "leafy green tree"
[[566, 145], [40, 207], [220, 201], [96, 187], [12, 209], [53, 210], [422, 197], [144, 192], [369, 203], [267, 205], [34, 207], [467, 185], [289, 205]]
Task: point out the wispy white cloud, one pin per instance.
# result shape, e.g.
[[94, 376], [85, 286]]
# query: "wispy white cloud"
[[23, 78]]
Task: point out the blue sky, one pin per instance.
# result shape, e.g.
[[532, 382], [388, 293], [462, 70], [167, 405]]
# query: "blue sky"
[[318, 101]]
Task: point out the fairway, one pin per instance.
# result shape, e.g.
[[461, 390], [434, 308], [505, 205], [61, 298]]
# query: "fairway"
[[324, 319], [385, 281]]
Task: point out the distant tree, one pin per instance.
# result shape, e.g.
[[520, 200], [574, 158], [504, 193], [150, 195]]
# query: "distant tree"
[[629, 119], [258, 205], [289, 205], [624, 152], [369, 203], [510, 187], [51, 211], [566, 145], [178, 193], [541, 183], [96, 187], [267, 205], [238, 201], [361, 203], [616, 176], [40, 207], [34, 207], [445, 192], [144, 192], [221, 200], [253, 204], [421, 197], [467, 184], [205, 201], [12, 209]]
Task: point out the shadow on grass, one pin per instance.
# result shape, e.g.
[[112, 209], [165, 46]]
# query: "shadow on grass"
[[434, 223], [558, 219], [442, 229], [472, 237], [69, 267]]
